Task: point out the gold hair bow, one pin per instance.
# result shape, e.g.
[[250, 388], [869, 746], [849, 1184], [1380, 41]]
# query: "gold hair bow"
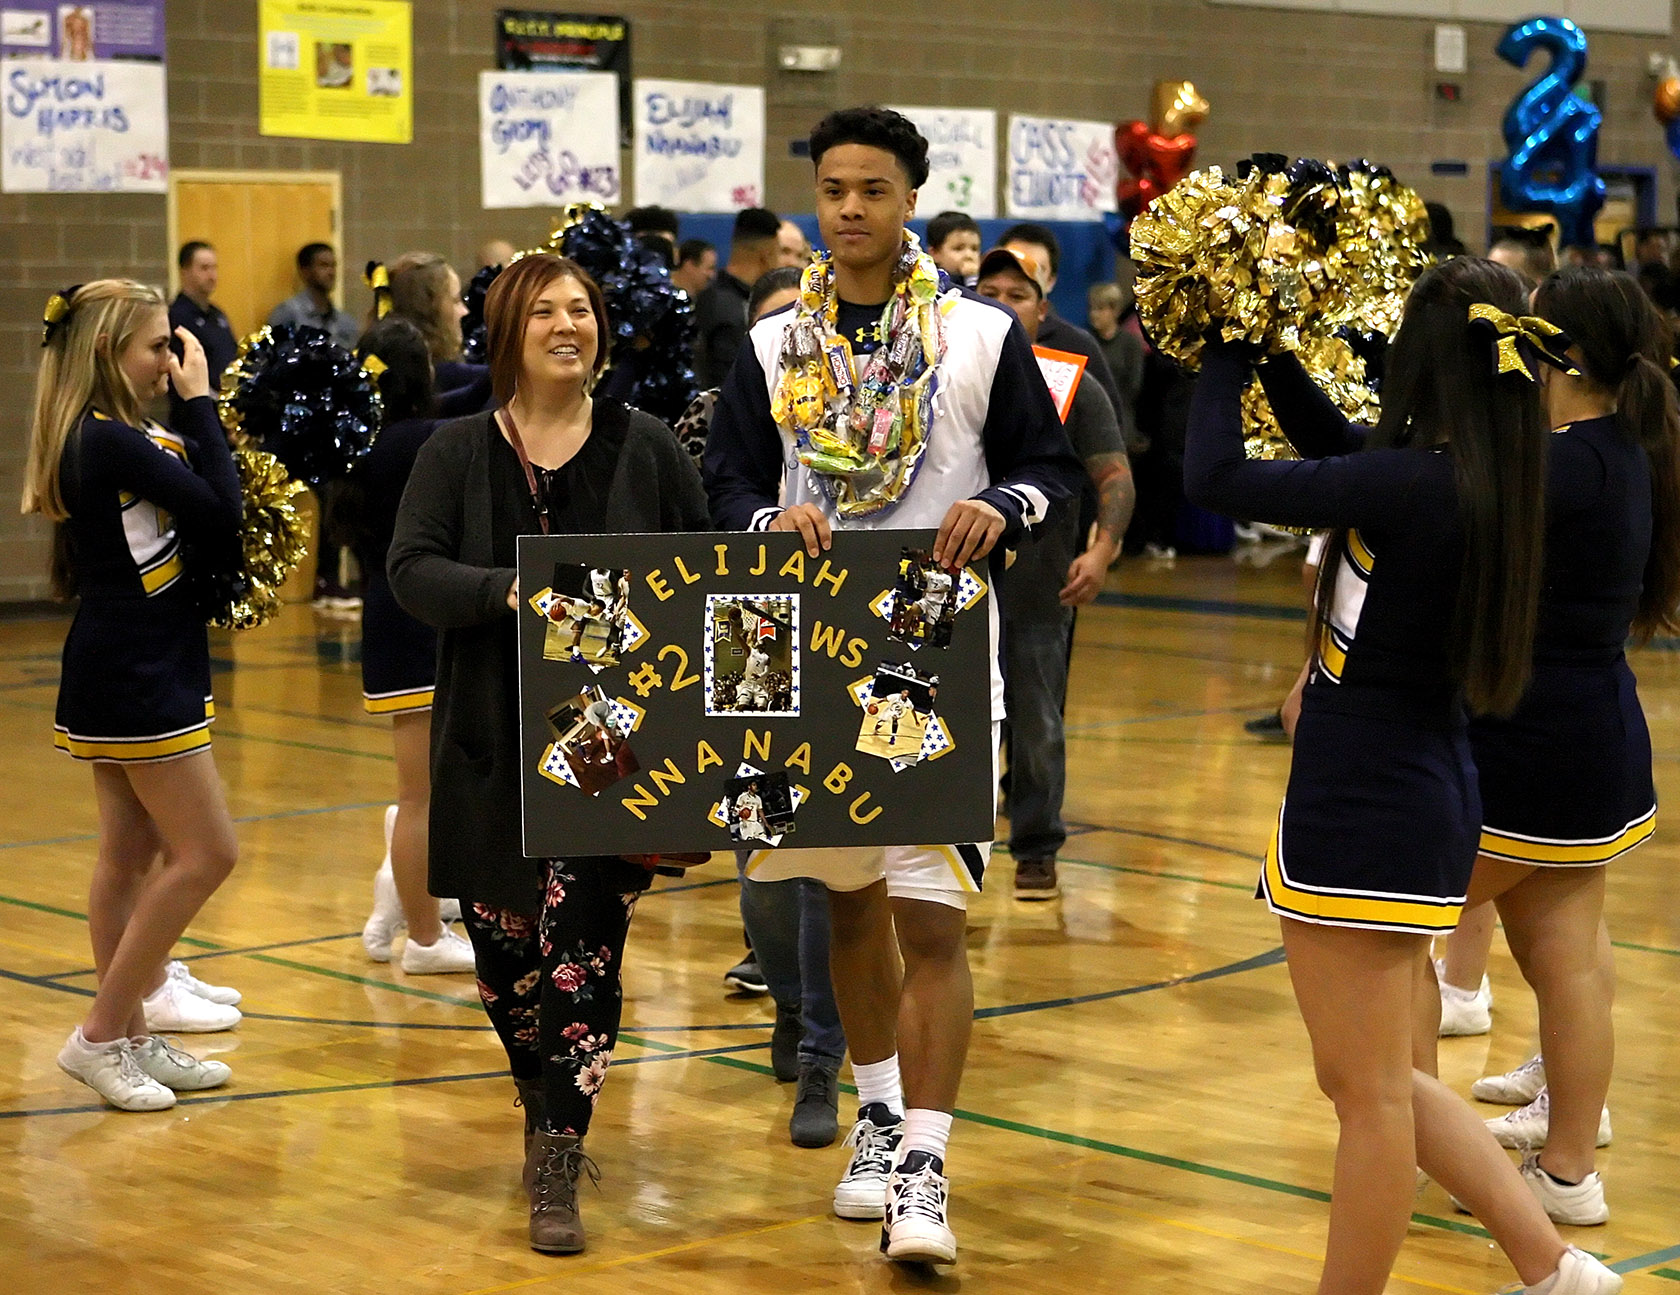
[[379, 279], [1540, 338], [56, 312]]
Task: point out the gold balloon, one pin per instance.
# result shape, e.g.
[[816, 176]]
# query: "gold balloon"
[[1665, 99], [1178, 107]]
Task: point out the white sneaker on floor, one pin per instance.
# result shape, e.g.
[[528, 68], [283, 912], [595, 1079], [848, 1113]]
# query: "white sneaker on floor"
[[176, 1070], [387, 916], [449, 953], [861, 1192], [1578, 1274], [916, 1226], [111, 1071], [1516, 1087], [449, 910], [175, 1009], [1527, 1129], [1580, 1206], [214, 993], [1462, 1012]]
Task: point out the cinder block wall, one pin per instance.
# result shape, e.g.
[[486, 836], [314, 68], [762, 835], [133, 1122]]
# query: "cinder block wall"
[[1294, 82]]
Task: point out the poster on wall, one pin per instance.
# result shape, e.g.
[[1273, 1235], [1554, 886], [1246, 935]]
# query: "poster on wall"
[[78, 33], [703, 691], [337, 69], [1061, 168], [532, 40], [84, 127], [962, 159], [699, 146], [548, 138]]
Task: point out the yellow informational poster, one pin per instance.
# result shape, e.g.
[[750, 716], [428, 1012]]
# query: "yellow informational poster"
[[337, 69]]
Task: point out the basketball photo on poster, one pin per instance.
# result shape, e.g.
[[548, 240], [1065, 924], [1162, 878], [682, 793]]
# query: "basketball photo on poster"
[[758, 808], [752, 654], [586, 609], [924, 601], [896, 712], [592, 735]]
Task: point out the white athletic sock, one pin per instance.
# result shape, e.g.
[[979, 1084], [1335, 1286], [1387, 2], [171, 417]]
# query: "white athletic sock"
[[928, 1131], [877, 1081]]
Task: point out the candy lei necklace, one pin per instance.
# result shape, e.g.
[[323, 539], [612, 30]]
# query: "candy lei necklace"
[[863, 434]]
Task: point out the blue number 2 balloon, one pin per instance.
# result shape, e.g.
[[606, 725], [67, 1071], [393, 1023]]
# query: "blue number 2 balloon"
[[1552, 135]]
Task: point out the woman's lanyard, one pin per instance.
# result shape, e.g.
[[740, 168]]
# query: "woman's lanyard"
[[539, 497]]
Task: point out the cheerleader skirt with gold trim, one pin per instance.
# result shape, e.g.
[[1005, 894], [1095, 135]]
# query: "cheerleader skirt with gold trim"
[[135, 681], [1378, 828], [1566, 780]]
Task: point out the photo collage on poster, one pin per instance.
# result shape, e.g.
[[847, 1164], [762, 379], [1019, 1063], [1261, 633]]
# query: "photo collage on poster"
[[748, 666]]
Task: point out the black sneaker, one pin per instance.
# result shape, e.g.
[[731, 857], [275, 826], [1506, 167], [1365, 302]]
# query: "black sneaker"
[[1268, 728], [815, 1121], [745, 978], [784, 1046]]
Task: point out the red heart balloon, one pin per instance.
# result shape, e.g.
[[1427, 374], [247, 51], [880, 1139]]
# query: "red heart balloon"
[[1170, 157], [1131, 142]]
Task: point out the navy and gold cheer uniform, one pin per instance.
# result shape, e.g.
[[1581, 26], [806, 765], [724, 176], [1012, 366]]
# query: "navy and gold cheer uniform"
[[1566, 780], [135, 683], [399, 653], [1379, 825]]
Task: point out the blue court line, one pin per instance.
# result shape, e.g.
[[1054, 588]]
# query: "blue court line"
[[1270, 958], [1648, 1260], [211, 1099], [1203, 606]]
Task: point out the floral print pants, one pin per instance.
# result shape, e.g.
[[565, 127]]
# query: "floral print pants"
[[551, 985]]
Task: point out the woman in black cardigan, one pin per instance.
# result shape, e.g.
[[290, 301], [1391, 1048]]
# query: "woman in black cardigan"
[[548, 933]]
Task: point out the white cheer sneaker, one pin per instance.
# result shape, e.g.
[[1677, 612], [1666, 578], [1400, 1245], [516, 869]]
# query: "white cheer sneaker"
[[175, 1009], [1516, 1087], [222, 994], [387, 916], [110, 1069], [447, 954], [1463, 1012], [176, 1070], [1528, 1128], [1578, 1273], [1580, 1204]]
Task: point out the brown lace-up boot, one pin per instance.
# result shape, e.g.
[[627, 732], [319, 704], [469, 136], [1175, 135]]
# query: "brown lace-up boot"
[[560, 1162], [531, 1098]]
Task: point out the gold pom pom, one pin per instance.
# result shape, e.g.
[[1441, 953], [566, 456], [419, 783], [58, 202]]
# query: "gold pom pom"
[[273, 538]]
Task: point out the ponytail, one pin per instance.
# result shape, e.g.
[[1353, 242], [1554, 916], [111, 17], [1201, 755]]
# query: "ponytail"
[[1650, 413]]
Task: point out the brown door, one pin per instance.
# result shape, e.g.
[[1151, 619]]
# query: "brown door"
[[256, 221]]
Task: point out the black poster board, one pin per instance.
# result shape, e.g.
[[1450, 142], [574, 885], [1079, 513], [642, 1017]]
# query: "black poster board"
[[537, 40], [705, 691]]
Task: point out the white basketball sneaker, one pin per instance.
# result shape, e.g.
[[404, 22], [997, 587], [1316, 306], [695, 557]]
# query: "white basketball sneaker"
[[178, 1071], [1527, 1129], [111, 1071], [1516, 1087], [193, 985], [862, 1191], [387, 916], [916, 1226]]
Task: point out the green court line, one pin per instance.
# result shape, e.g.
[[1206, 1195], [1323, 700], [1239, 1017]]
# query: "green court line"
[[1246, 887], [1673, 1275], [354, 979]]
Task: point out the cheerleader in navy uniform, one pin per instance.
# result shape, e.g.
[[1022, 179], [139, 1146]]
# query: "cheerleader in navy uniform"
[[399, 663], [1566, 780], [1428, 605], [134, 696]]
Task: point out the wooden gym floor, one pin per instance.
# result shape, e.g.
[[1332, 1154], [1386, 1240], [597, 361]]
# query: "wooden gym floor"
[[1139, 1112]]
